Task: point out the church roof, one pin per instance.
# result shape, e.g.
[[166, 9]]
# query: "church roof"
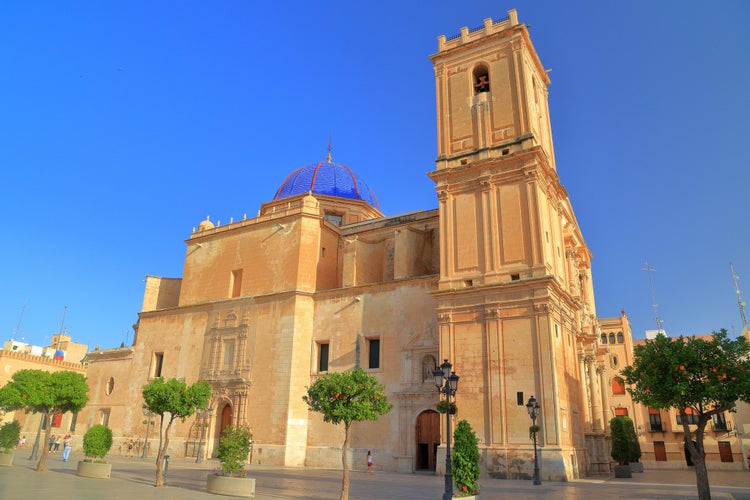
[[326, 178]]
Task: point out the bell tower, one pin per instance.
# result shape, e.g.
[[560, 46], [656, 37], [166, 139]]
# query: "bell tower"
[[491, 94], [515, 301]]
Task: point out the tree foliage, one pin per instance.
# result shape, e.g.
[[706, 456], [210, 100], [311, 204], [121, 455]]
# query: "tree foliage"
[[465, 460], [634, 447], [48, 393], [97, 442], [621, 443], [9, 433], [707, 376], [234, 446], [346, 397], [171, 400]]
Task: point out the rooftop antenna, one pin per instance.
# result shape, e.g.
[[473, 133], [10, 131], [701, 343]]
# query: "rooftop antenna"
[[740, 302], [650, 270], [18, 326], [62, 326]]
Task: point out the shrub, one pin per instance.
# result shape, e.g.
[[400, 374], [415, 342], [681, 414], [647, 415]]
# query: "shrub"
[[234, 446], [634, 446], [620, 442], [9, 433], [465, 460], [97, 441]]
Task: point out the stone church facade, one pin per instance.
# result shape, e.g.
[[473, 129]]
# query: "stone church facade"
[[497, 280]]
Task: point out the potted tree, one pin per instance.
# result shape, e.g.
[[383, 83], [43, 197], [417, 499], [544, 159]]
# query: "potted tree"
[[635, 447], [231, 479], [96, 444], [9, 433], [465, 461], [620, 448]]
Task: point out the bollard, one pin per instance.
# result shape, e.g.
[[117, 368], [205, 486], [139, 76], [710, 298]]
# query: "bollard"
[[166, 467]]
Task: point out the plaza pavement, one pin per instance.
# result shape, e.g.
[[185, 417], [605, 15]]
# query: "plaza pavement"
[[186, 480]]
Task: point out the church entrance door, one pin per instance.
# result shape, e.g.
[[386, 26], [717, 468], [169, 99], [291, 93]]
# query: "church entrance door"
[[226, 418], [428, 439]]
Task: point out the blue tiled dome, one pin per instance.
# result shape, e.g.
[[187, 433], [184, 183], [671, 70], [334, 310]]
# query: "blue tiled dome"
[[331, 179]]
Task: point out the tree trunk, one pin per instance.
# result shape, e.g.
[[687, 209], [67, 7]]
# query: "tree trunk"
[[163, 438], [345, 464], [698, 456], [40, 466], [701, 477]]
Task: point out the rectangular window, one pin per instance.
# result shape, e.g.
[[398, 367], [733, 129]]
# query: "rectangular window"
[[373, 350], [719, 422], [104, 417], [229, 353], [236, 282], [323, 351], [335, 219], [654, 420], [73, 421], [156, 364], [692, 417]]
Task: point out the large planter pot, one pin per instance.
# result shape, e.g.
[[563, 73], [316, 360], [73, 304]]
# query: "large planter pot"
[[6, 459], [623, 471], [93, 469], [636, 466], [471, 497], [230, 486]]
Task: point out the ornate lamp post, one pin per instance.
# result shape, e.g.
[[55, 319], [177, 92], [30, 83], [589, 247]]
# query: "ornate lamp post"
[[149, 415], [205, 414], [533, 408], [447, 382]]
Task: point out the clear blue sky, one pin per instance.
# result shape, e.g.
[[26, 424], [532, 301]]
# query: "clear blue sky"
[[124, 124]]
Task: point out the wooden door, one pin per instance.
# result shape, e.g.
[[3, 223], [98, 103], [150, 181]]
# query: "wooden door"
[[226, 418], [428, 439], [725, 451], [660, 451]]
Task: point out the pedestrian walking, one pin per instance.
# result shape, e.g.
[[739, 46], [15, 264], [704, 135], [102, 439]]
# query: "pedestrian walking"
[[369, 461], [67, 446]]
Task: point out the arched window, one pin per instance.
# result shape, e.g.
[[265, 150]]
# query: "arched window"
[[481, 80], [619, 338], [611, 338], [604, 338], [618, 386]]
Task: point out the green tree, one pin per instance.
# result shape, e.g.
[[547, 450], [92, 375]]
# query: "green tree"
[[708, 376], [465, 460], [171, 400], [234, 446], [347, 397], [48, 393], [633, 444], [97, 442], [9, 433], [620, 442]]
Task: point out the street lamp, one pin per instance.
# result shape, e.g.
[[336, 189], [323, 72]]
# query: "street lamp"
[[447, 382], [203, 416], [533, 408], [149, 415]]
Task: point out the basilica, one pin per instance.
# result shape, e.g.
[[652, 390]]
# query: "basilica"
[[496, 280]]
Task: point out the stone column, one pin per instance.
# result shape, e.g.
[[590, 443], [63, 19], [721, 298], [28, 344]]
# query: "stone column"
[[585, 394], [596, 395], [604, 393]]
